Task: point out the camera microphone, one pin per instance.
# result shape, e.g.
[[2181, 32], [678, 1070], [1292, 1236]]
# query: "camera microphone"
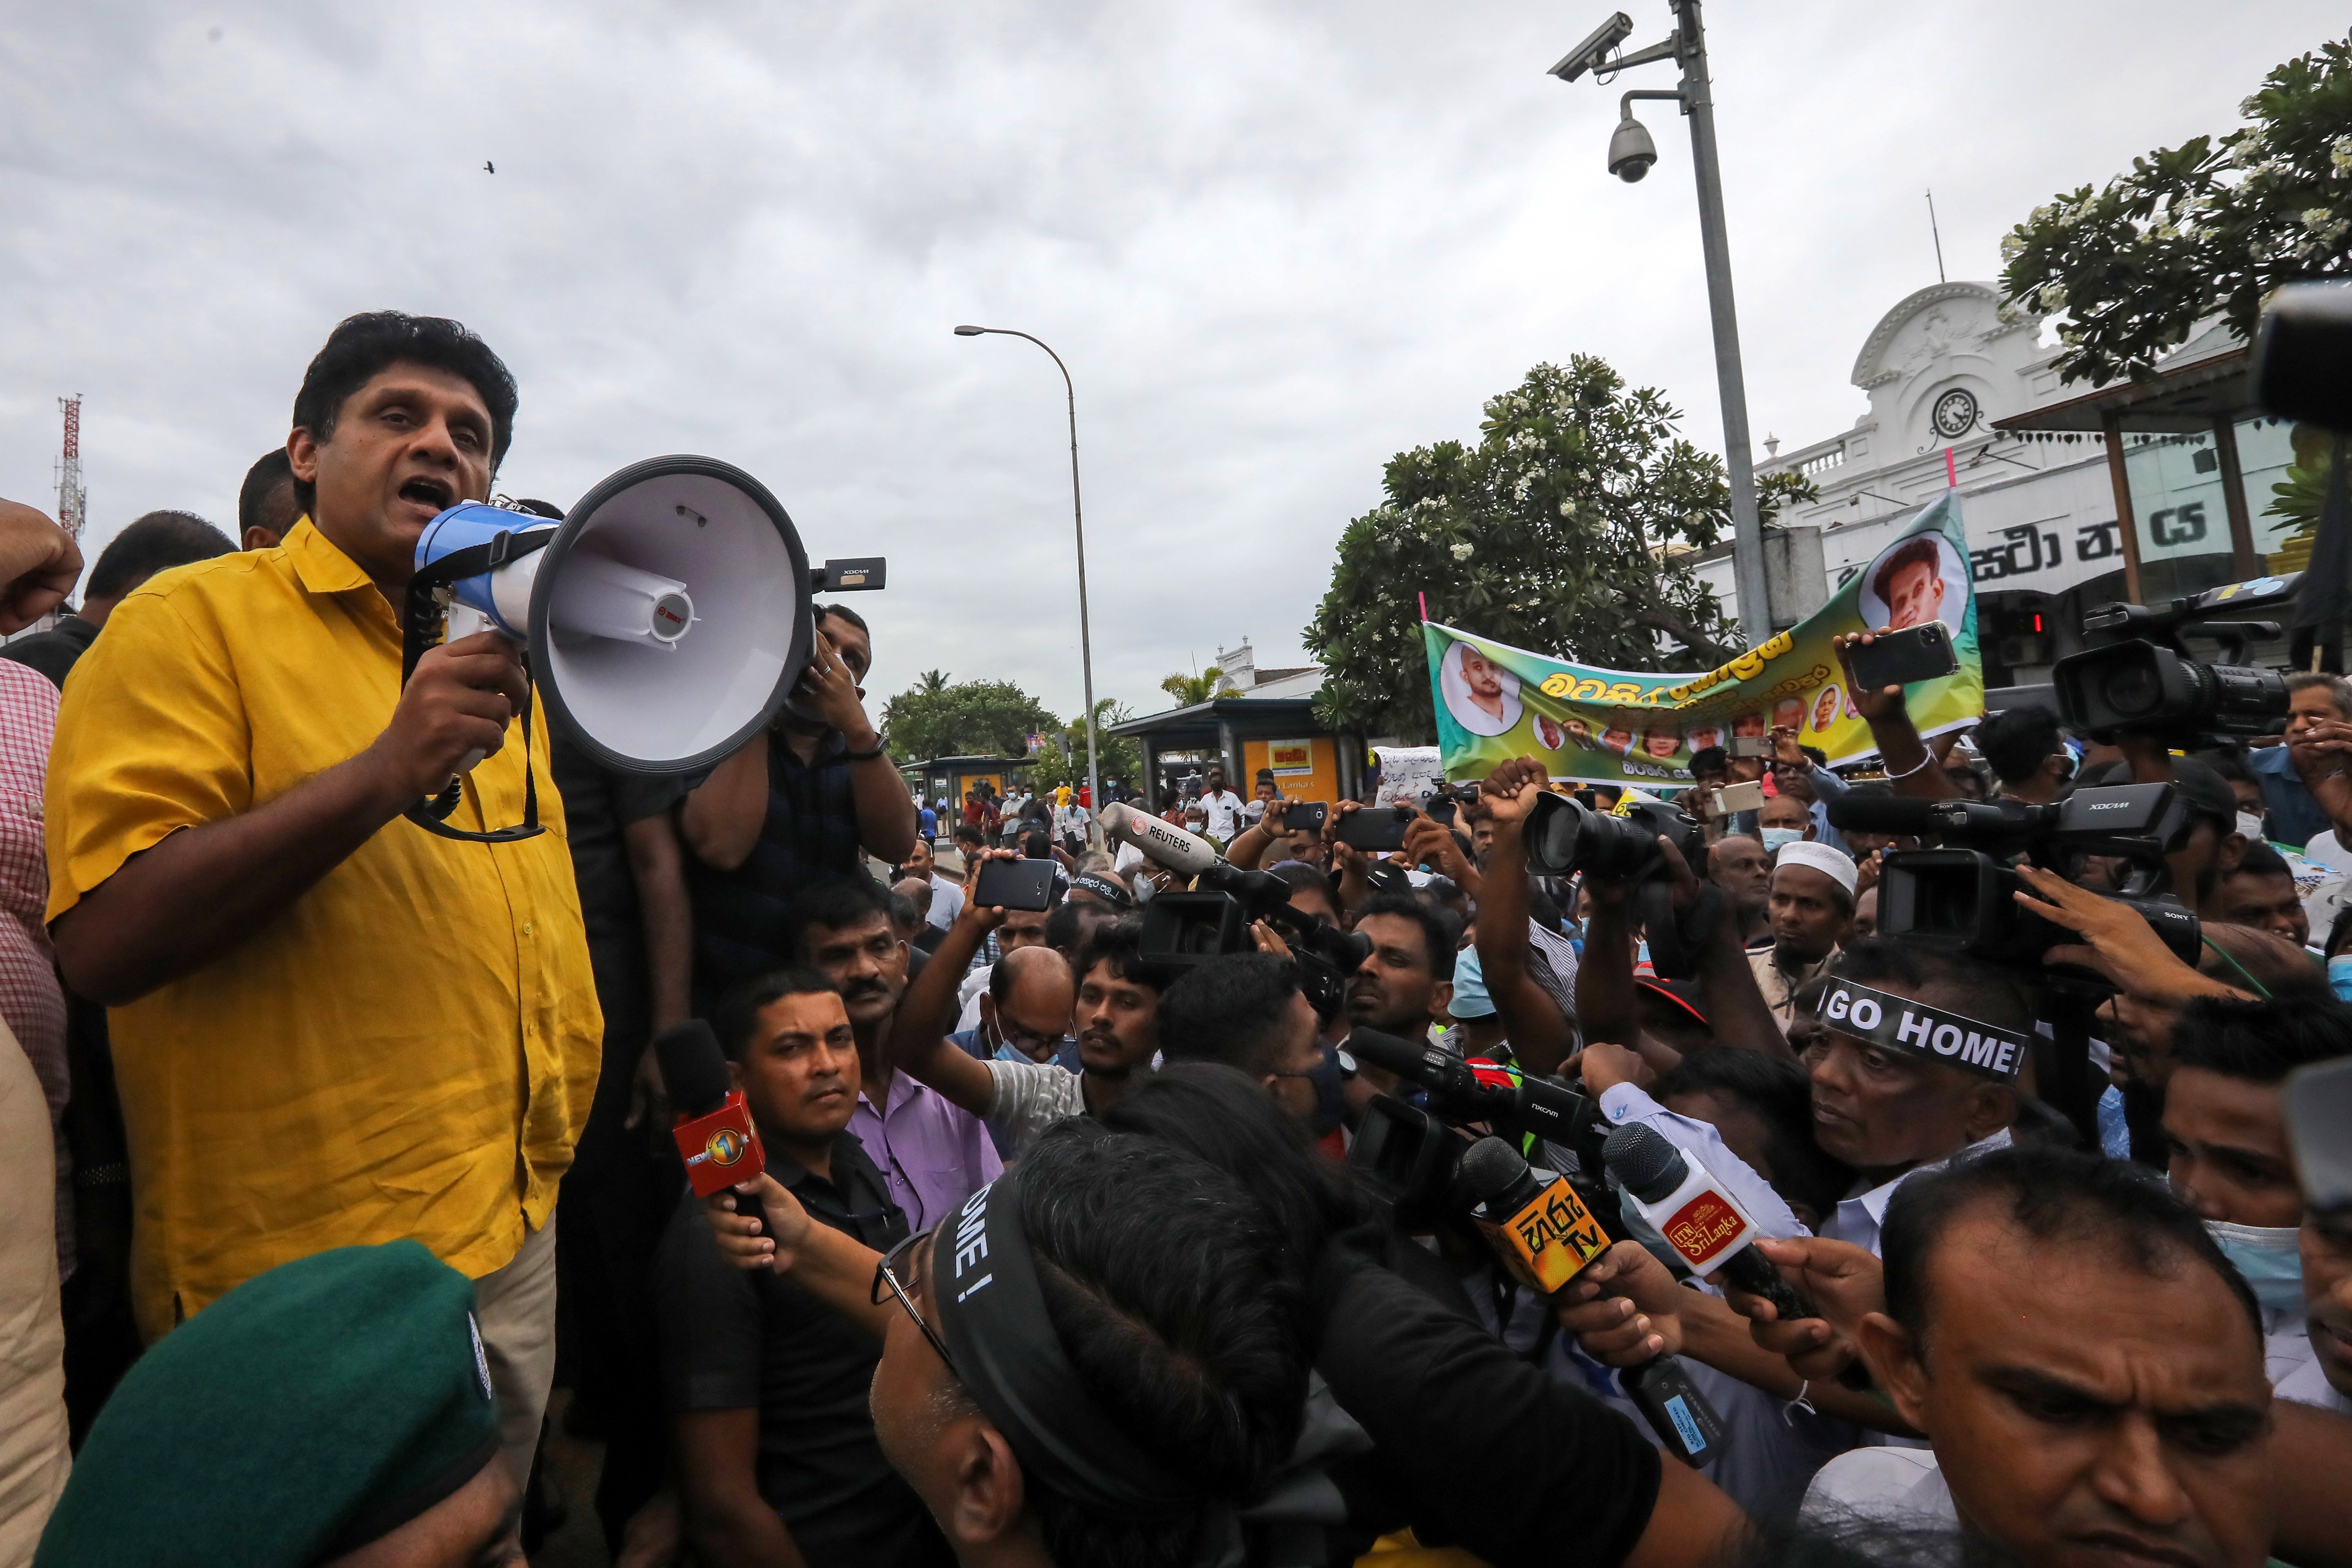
[[716, 1136], [1460, 1092], [1164, 842], [1922, 818]]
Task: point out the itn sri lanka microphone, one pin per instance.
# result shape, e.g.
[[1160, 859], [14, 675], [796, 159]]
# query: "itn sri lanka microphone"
[[1545, 1235], [714, 1130], [1701, 1221]]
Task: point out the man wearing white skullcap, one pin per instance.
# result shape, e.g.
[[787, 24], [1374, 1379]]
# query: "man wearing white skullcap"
[[1811, 914]]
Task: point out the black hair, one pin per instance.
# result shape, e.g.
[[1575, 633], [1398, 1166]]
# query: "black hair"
[[1225, 1117], [261, 482], [2052, 1194], [1234, 1009], [1710, 760], [2261, 860], [1300, 874], [2015, 741], [2260, 1042], [837, 903], [738, 1013], [1814, 755], [968, 833], [1120, 945], [2227, 764], [155, 542], [2337, 929], [902, 909], [1183, 1314], [1440, 934], [1965, 984], [2283, 966], [363, 346], [1781, 1093], [1036, 846], [846, 614]]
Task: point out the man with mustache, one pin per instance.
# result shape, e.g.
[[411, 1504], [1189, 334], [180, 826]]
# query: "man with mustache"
[[934, 1154], [411, 1048], [1116, 1019], [777, 1460]]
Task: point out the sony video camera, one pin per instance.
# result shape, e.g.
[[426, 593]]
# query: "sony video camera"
[[1963, 896], [2141, 676]]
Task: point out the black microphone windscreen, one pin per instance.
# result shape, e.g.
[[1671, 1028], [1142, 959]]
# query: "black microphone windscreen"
[[1387, 1053], [1642, 1159], [1489, 1168], [694, 1070], [1890, 813]]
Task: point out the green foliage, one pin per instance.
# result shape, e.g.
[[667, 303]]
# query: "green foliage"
[[1567, 528], [1193, 689], [1063, 760], [2192, 231], [970, 717]]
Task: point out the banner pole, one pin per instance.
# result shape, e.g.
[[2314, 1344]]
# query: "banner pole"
[[1424, 597], [1952, 473]]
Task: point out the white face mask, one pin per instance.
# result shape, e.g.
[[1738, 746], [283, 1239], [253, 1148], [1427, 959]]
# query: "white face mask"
[[2251, 825]]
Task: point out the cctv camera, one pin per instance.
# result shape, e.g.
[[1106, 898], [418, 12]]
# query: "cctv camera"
[[1591, 53], [1631, 151]]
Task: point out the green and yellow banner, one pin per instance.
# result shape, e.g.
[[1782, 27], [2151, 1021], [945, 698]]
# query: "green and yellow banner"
[[1630, 727]]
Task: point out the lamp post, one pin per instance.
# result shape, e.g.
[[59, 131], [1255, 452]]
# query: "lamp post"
[[1079, 518], [1630, 154]]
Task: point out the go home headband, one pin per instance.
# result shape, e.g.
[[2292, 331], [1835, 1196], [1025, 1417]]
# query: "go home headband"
[[1907, 1024], [1008, 1357]]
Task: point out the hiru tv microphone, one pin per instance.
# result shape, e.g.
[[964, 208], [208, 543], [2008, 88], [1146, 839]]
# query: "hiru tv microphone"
[[716, 1136]]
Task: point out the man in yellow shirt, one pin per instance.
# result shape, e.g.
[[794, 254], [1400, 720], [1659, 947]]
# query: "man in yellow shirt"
[[331, 1026]]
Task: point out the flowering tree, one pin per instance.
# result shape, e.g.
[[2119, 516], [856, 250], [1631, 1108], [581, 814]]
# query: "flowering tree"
[[1569, 528], [2204, 229]]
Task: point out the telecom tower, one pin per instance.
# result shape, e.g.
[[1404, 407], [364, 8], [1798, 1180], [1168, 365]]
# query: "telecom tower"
[[73, 501]]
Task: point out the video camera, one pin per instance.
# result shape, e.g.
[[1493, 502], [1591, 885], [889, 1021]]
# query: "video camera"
[[1566, 838], [2142, 678], [1962, 896], [1184, 928]]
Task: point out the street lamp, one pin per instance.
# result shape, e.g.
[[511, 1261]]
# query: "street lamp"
[[1078, 516], [1630, 154]]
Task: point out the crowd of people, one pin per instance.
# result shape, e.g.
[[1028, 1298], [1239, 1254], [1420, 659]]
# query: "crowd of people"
[[334, 1146]]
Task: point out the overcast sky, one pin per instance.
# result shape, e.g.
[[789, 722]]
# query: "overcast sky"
[[1275, 244]]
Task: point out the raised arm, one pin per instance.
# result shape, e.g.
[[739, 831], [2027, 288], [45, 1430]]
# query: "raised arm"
[[918, 1042], [202, 890], [885, 811], [721, 818], [1250, 845], [1541, 1036], [1911, 768]]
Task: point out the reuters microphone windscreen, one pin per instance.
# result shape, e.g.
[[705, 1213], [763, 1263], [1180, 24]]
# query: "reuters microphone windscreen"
[[716, 1136], [1538, 1228], [1169, 845]]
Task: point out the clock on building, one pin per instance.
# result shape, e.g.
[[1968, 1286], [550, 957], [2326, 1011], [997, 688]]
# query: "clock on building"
[[1956, 414]]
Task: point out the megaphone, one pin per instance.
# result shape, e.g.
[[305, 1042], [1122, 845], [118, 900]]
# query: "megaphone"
[[666, 618]]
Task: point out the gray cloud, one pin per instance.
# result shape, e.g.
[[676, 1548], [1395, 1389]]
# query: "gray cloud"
[[1275, 244]]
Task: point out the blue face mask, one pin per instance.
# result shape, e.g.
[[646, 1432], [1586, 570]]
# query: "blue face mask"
[[2267, 1255], [2339, 975], [1776, 838]]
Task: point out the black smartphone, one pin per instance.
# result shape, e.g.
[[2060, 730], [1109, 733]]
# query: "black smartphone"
[[1305, 816], [1015, 885], [1898, 658], [1378, 829]]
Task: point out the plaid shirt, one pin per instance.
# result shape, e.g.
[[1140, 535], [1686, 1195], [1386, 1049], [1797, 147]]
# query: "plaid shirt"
[[742, 917], [30, 998]]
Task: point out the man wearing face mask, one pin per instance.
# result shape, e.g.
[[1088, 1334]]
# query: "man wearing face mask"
[[1245, 1011], [1784, 820], [2225, 1129], [1810, 909]]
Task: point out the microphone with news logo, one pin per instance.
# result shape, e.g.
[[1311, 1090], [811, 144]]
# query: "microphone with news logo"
[[1704, 1223], [715, 1134], [1545, 1235]]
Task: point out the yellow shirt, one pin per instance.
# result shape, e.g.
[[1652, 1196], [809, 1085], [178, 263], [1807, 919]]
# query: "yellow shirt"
[[410, 1048]]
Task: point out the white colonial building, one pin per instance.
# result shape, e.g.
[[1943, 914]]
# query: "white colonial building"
[[1949, 369]]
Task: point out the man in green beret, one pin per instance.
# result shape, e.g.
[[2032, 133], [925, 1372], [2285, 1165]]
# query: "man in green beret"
[[336, 1410]]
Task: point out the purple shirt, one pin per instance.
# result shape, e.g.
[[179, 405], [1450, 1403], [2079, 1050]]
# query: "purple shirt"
[[934, 1155]]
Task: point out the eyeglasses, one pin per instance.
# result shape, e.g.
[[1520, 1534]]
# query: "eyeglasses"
[[885, 1277]]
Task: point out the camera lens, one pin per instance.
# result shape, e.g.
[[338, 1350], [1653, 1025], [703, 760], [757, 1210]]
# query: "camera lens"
[[2131, 689]]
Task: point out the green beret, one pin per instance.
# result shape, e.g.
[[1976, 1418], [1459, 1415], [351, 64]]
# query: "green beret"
[[308, 1412]]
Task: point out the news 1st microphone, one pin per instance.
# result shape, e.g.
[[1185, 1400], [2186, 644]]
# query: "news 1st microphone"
[[1706, 1226], [1537, 1225], [715, 1134]]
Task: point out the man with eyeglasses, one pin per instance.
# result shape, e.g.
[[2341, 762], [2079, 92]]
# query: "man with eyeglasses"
[[775, 1450]]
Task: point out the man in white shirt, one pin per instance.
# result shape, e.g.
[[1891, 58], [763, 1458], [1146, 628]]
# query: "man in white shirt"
[[2086, 1365], [1221, 809], [947, 897]]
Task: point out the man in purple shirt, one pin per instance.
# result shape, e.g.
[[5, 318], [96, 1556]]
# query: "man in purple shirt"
[[932, 1153]]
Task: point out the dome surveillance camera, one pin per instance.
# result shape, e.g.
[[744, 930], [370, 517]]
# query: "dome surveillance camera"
[[1631, 151]]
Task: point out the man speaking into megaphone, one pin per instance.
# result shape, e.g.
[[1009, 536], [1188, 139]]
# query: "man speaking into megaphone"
[[329, 1026]]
